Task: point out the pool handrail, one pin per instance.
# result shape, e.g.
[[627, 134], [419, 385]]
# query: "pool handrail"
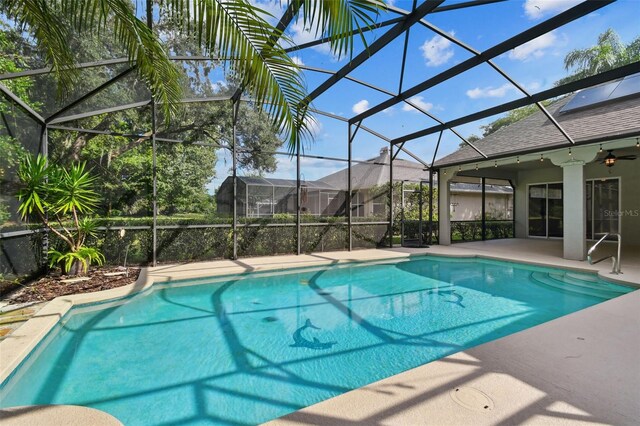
[[615, 260]]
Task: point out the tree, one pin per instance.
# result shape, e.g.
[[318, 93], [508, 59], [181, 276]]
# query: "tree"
[[122, 165], [511, 117], [235, 29], [11, 118], [66, 197], [609, 53]]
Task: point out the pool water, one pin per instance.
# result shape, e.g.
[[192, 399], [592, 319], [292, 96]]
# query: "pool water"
[[245, 349]]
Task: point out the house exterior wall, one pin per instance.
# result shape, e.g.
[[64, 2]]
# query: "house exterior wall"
[[468, 205], [627, 171]]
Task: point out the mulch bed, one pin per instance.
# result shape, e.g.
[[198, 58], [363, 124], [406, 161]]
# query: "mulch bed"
[[51, 286]]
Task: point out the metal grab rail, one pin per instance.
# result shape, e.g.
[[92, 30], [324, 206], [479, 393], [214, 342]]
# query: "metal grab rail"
[[615, 260]]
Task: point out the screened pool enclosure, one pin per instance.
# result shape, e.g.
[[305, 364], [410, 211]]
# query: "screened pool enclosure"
[[208, 186]]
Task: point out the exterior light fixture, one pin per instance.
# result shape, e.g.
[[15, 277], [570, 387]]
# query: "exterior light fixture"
[[476, 166], [610, 160], [541, 158], [570, 152], [600, 148], [518, 160], [637, 142], [459, 168], [496, 164], [444, 171]]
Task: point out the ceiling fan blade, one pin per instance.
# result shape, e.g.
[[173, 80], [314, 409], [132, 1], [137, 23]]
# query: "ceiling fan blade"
[[627, 157]]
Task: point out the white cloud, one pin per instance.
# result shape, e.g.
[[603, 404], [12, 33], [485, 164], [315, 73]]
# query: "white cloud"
[[534, 86], [272, 7], [389, 111], [301, 34], [536, 48], [360, 107], [298, 61], [536, 9], [437, 51], [419, 102], [313, 125], [490, 92]]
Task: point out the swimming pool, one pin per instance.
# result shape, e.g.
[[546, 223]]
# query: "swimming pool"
[[244, 349]]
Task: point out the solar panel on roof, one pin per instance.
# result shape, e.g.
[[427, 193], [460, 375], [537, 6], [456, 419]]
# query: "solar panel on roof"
[[628, 86]]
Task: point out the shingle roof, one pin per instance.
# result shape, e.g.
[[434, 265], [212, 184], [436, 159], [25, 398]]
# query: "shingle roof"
[[375, 172], [285, 183], [608, 120]]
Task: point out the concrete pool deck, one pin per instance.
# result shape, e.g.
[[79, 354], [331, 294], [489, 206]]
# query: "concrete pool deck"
[[579, 368]]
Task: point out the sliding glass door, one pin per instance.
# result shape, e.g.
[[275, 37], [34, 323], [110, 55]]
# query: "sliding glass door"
[[603, 205], [545, 210]]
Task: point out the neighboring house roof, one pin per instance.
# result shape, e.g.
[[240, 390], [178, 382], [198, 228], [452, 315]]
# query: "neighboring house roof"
[[284, 183], [375, 172], [597, 122]]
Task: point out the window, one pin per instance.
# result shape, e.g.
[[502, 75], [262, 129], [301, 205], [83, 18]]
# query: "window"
[[545, 210], [603, 204]]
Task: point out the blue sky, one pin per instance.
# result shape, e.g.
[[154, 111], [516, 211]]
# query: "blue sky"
[[535, 66]]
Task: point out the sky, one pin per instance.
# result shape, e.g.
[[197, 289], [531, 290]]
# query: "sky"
[[535, 66]]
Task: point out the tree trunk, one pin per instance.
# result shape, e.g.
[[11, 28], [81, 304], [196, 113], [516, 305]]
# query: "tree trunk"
[[76, 269]]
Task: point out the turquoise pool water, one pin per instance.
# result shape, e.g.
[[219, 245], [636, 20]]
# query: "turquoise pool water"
[[244, 349]]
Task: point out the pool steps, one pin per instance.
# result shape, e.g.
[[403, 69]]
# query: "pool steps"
[[576, 285]]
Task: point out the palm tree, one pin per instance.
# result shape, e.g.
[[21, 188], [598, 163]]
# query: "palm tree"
[[62, 200], [609, 53], [234, 29]]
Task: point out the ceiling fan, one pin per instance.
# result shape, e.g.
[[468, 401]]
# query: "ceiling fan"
[[610, 159]]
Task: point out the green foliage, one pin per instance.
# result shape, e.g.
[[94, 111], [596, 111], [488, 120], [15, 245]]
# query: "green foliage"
[[53, 193], [35, 187], [511, 117], [608, 53], [83, 256], [235, 29], [471, 230]]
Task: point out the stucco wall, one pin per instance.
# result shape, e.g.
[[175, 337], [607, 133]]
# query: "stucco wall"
[[468, 205], [629, 173]]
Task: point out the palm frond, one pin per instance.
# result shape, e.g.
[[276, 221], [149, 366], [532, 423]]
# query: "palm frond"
[[44, 21], [52, 21], [338, 19], [235, 29], [143, 47]]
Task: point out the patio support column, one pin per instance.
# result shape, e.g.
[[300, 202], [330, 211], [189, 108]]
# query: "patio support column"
[[154, 195], [484, 210], [154, 171], [402, 213], [44, 151], [234, 173], [444, 211], [574, 220], [574, 211], [513, 209], [391, 195], [349, 189], [430, 237], [298, 203], [420, 215]]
